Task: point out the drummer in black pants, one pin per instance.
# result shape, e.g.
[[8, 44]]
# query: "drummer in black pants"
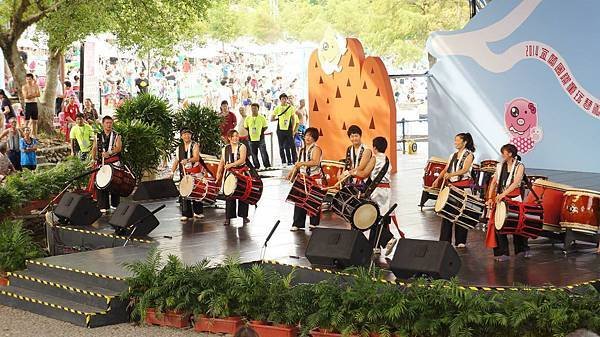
[[107, 149], [233, 155], [188, 161], [458, 174], [507, 184]]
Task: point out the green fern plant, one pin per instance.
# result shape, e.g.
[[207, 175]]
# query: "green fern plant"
[[16, 246], [205, 124], [143, 146]]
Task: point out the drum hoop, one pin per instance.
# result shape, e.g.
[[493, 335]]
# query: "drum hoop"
[[184, 184], [500, 206], [431, 190], [226, 185], [548, 183], [101, 174], [442, 199], [576, 225], [582, 192], [437, 160], [335, 163], [370, 203]]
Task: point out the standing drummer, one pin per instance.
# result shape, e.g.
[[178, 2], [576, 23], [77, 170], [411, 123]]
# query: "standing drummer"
[[188, 162], [457, 173], [107, 150], [309, 164], [357, 156], [507, 184], [234, 155]]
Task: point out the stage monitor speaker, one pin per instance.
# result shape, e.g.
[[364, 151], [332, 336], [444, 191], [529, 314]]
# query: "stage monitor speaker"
[[436, 259], [339, 248], [156, 189], [125, 219], [77, 210]]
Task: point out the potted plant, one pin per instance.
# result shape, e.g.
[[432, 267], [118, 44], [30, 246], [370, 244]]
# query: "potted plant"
[[205, 124], [16, 247], [143, 147], [218, 307], [330, 315]]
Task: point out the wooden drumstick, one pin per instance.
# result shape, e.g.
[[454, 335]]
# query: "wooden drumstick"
[[339, 183]]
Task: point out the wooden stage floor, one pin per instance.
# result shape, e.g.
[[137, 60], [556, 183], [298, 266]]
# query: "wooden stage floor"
[[208, 238]]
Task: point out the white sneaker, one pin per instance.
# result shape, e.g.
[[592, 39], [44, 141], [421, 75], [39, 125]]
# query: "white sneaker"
[[527, 254], [461, 245], [199, 216], [390, 246], [312, 226], [104, 211], [183, 218], [294, 229], [376, 251]]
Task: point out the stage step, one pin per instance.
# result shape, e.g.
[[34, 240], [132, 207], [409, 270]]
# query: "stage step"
[[79, 297]]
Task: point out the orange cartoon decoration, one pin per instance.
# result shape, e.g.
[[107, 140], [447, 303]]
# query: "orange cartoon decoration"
[[346, 88]]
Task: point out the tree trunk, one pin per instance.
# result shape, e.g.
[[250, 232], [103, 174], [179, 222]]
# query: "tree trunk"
[[15, 65], [49, 97]]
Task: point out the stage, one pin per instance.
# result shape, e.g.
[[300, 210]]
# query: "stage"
[[209, 238]]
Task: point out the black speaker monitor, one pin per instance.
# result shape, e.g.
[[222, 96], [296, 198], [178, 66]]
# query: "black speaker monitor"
[[127, 216], [339, 248], [436, 259], [156, 189], [76, 209]]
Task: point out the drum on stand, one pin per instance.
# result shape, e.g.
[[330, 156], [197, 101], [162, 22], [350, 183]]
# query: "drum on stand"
[[238, 184], [519, 218], [307, 194], [115, 179], [581, 211], [362, 214], [332, 169], [459, 207], [212, 164], [432, 171], [551, 195], [198, 188], [487, 169]]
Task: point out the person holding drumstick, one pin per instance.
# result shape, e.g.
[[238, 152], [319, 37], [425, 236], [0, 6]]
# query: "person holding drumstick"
[[107, 149], [507, 184], [457, 173], [357, 157], [309, 164], [188, 162], [234, 155]]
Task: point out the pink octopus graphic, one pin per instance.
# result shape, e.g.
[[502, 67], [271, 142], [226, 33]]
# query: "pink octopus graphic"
[[521, 120]]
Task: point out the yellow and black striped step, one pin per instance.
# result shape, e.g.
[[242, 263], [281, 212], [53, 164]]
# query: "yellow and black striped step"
[[60, 286]]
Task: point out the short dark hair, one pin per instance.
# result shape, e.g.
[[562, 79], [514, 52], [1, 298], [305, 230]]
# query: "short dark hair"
[[512, 149], [255, 104], [223, 82], [30, 75], [79, 115], [354, 130], [283, 95], [68, 83], [246, 331], [380, 144], [231, 132], [224, 102], [184, 130], [313, 132], [106, 118]]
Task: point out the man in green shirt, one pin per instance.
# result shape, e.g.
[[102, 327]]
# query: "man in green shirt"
[[284, 113], [256, 124], [81, 138]]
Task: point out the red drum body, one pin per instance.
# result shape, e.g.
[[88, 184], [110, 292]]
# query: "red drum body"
[[459, 207], [551, 194], [198, 188], [239, 184], [432, 171], [361, 213], [332, 170], [306, 194], [516, 217], [212, 164], [581, 210], [115, 179]]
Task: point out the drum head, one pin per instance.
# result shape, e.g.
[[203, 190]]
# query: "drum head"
[[104, 176], [442, 199], [230, 184], [500, 215], [365, 216], [186, 186]]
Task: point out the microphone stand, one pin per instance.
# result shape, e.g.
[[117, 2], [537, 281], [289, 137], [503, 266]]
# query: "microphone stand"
[[379, 229], [263, 251], [134, 225]]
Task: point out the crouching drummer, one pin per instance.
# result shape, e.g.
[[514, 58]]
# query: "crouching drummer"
[[234, 155], [507, 184], [107, 150], [188, 162]]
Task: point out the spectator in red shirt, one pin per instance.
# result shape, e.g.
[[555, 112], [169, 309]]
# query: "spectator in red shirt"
[[71, 111], [229, 120]]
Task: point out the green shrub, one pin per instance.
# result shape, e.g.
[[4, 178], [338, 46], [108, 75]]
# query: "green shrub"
[[16, 246], [143, 146], [205, 124]]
